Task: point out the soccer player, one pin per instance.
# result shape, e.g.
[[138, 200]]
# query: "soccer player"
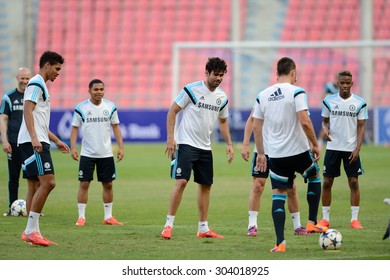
[[258, 184], [96, 116], [344, 117], [34, 144], [202, 103], [331, 87], [11, 111], [282, 108]]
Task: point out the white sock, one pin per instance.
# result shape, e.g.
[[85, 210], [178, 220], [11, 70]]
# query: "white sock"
[[81, 208], [170, 220], [325, 212], [253, 218], [203, 226], [355, 212], [32, 222], [296, 218], [107, 210]]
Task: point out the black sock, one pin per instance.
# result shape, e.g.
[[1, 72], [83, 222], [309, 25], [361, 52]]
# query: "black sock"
[[313, 197], [279, 215]]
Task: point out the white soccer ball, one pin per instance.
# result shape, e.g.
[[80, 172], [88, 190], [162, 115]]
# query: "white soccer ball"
[[18, 208], [331, 240]]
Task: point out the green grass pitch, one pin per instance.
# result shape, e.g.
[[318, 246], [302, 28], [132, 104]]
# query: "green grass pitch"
[[141, 194]]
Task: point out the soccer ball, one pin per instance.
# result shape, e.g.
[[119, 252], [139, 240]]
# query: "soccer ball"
[[18, 208], [331, 240]]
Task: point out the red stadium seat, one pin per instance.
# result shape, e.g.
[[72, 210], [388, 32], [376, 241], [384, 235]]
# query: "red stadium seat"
[[123, 34]]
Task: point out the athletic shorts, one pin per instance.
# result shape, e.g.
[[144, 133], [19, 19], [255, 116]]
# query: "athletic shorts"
[[282, 170], [189, 158], [255, 172], [33, 163], [332, 163], [105, 169]]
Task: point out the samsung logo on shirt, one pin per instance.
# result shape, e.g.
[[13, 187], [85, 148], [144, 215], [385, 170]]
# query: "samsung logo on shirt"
[[92, 120], [208, 107], [344, 114], [17, 107]]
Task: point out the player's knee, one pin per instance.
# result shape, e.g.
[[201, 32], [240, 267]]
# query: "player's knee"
[[353, 183], [107, 185], [181, 183], [291, 193], [49, 185], [258, 186], [328, 182]]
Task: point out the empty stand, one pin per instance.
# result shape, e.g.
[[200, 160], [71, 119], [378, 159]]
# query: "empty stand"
[[127, 44]]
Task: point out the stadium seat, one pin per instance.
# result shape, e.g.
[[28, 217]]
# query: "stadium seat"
[[97, 33], [128, 33]]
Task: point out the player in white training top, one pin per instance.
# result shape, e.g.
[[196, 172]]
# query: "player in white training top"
[[96, 116], [34, 144], [283, 109], [258, 182], [344, 118], [202, 104]]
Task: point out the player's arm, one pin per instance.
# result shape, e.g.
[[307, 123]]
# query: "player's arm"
[[119, 139], [28, 110], [326, 128], [63, 147], [361, 128], [308, 128], [261, 162], [171, 120], [73, 142], [225, 132], [3, 130], [245, 149]]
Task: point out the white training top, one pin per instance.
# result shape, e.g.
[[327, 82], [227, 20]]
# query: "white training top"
[[343, 116], [201, 108], [95, 122], [278, 105], [37, 92]]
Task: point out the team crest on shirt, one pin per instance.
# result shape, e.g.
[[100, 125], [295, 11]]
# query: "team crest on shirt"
[[105, 113], [218, 101], [352, 107]]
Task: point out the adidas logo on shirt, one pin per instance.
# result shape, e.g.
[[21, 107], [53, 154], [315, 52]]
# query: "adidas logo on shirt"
[[276, 95]]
